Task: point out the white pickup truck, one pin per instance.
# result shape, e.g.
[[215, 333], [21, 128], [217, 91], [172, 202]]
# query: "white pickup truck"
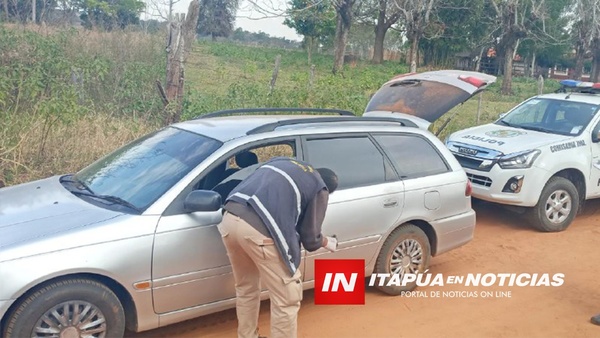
[[544, 155]]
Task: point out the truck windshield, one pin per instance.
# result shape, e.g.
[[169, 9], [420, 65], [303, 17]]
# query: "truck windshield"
[[140, 172], [551, 116]]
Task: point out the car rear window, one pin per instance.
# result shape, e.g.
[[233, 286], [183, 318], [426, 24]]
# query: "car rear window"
[[356, 160], [413, 155]]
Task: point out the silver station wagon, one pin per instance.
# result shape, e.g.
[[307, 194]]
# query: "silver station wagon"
[[130, 242]]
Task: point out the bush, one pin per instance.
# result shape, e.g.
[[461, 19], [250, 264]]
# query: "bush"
[[52, 80]]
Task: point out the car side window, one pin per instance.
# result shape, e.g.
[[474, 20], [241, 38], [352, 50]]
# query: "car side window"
[[260, 154], [245, 161], [356, 160], [413, 155], [226, 173]]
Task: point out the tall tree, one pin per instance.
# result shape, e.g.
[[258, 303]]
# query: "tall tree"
[[515, 20], [5, 8], [110, 14], [67, 10], [459, 28], [595, 74], [387, 15], [26, 10], [548, 41], [162, 9], [315, 21], [582, 32], [416, 18], [585, 32], [344, 12], [217, 17]]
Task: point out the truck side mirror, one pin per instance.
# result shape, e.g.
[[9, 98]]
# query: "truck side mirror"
[[596, 133]]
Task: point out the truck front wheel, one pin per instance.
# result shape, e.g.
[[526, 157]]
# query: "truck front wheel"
[[557, 206]]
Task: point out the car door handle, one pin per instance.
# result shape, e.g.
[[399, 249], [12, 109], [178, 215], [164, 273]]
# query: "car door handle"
[[390, 203]]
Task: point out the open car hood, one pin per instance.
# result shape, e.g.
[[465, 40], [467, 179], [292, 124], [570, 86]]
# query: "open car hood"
[[427, 95]]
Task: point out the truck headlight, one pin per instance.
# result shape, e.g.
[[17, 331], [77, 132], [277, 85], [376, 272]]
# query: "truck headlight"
[[522, 159]]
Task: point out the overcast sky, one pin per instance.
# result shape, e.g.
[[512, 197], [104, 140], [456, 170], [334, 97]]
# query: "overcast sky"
[[253, 20]]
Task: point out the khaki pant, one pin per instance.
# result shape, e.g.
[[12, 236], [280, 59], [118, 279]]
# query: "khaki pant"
[[255, 259]]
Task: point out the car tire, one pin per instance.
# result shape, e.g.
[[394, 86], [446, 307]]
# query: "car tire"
[[53, 310], [557, 206], [406, 250]]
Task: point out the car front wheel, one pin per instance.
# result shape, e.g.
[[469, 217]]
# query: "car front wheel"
[[68, 308], [405, 251], [557, 206]]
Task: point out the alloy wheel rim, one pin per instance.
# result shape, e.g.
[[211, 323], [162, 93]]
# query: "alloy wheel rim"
[[558, 206], [71, 319], [407, 257]]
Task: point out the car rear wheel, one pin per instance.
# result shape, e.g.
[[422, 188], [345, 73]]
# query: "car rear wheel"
[[68, 308], [405, 251], [557, 206]]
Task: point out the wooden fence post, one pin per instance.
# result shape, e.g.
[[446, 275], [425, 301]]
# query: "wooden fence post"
[[275, 72], [182, 33], [479, 107], [311, 78]]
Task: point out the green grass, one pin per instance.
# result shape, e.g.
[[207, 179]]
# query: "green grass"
[[51, 126], [224, 76]]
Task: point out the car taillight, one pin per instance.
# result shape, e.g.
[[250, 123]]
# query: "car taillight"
[[472, 80], [468, 188]]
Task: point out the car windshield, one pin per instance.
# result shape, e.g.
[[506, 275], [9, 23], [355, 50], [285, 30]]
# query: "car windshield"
[[551, 116], [140, 172]]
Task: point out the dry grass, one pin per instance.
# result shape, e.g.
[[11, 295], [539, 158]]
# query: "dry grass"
[[99, 42], [45, 148], [72, 95]]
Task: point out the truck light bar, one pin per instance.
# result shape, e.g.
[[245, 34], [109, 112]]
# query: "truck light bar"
[[579, 86]]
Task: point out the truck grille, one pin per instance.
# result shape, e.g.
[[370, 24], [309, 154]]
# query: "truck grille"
[[473, 157], [480, 180]]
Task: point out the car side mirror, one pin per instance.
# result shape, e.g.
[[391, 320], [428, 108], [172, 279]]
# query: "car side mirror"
[[596, 136], [202, 200]]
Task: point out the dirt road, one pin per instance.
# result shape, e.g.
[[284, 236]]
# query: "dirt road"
[[502, 244]]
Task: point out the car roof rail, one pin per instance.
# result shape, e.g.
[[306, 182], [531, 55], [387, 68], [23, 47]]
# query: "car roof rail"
[[265, 111], [369, 119]]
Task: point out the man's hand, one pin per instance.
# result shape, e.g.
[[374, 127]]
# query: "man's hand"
[[331, 243]]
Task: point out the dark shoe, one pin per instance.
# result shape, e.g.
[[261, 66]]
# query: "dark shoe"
[[596, 319]]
